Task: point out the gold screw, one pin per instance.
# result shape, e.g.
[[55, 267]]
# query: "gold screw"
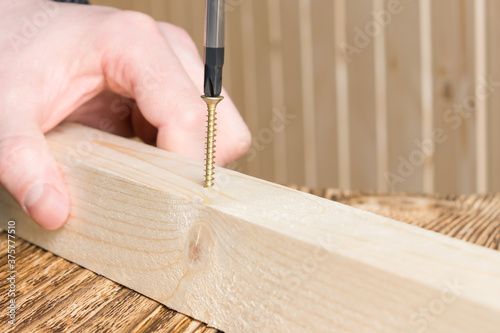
[[210, 153]]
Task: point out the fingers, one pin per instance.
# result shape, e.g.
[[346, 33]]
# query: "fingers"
[[150, 72], [115, 114], [233, 136], [107, 112], [29, 172], [140, 63], [142, 128]]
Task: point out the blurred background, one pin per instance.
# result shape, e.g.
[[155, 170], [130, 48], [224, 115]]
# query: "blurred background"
[[386, 95]]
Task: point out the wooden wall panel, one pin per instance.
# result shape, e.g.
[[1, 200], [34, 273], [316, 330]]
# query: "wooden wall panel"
[[293, 92], [159, 10], [176, 13], [342, 94], [249, 83], [403, 97], [353, 124], [493, 102], [144, 6], [195, 14], [454, 80], [361, 82], [426, 86], [277, 88], [307, 88], [380, 104], [262, 102], [325, 49], [234, 72], [478, 8]]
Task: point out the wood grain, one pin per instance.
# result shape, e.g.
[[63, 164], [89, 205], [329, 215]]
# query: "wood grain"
[[294, 131], [342, 95], [474, 218], [404, 110], [277, 87], [58, 296], [493, 103], [454, 78], [307, 89], [249, 83], [361, 79], [250, 255], [260, 103], [481, 71], [380, 105], [426, 84], [324, 50]]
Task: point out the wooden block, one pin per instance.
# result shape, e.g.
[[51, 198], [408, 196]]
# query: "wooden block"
[[252, 256]]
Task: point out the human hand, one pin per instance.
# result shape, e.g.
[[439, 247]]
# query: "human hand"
[[76, 64]]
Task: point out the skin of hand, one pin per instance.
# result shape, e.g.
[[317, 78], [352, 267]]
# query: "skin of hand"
[[91, 64]]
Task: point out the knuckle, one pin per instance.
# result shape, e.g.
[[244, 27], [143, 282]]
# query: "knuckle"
[[193, 121], [16, 152], [181, 33], [136, 21], [186, 110], [237, 146], [243, 143]]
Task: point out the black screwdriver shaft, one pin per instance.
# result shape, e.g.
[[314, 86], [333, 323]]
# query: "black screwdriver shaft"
[[214, 47]]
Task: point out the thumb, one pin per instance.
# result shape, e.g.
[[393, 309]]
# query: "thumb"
[[30, 173]]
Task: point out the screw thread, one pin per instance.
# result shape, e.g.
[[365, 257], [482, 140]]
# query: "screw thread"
[[210, 154], [210, 149]]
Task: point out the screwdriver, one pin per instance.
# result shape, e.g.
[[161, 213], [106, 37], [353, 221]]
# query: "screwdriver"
[[214, 60]]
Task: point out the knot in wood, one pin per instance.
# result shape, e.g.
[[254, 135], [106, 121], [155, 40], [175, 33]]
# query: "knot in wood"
[[199, 245]]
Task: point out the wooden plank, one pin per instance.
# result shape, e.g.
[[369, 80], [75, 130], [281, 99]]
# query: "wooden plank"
[[426, 93], [55, 295], [404, 98], [142, 6], [159, 10], [433, 212], [454, 82], [362, 111], [277, 89], [125, 4], [380, 91], [481, 129], [176, 13], [324, 52], [478, 219], [342, 96], [493, 102], [251, 255], [249, 84], [295, 150], [307, 88], [196, 14], [261, 103], [234, 72]]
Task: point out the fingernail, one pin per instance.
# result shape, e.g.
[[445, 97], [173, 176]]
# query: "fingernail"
[[47, 206]]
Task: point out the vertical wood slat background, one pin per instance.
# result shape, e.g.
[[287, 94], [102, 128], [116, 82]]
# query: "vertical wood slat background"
[[359, 121]]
